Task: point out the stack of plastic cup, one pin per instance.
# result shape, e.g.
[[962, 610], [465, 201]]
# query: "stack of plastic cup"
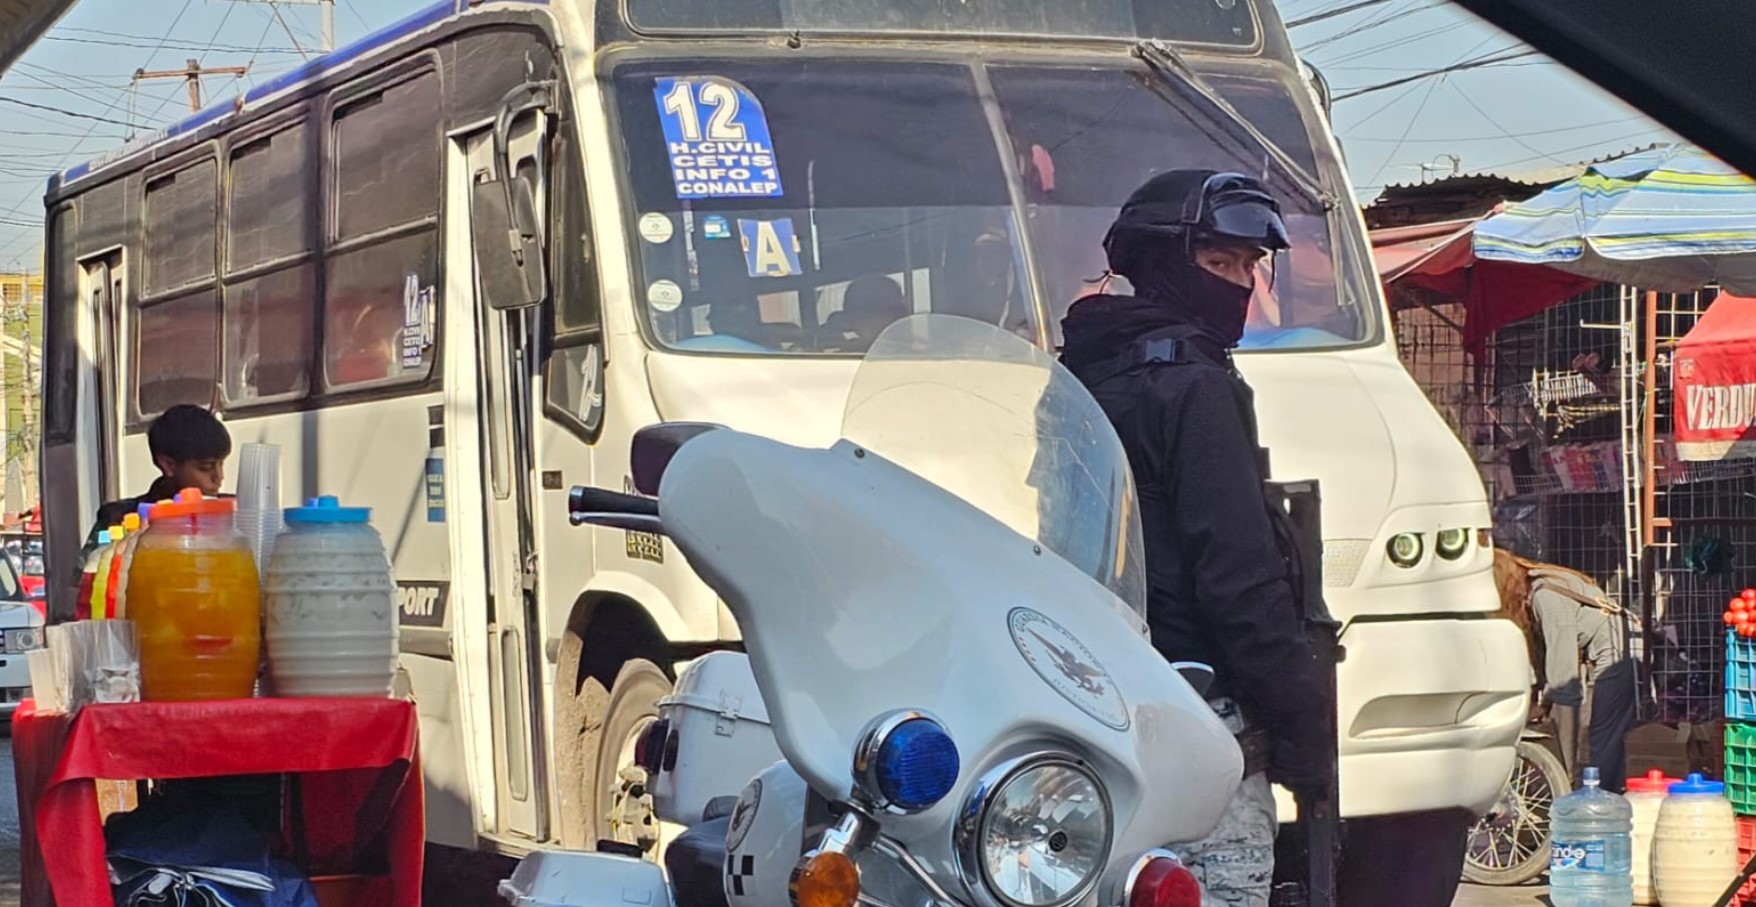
[[258, 517]]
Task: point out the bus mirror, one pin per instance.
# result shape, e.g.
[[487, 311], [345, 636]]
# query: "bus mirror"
[[509, 250]]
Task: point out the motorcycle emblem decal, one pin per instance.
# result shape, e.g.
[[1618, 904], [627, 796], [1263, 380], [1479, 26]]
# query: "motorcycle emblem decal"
[[744, 814], [1067, 666]]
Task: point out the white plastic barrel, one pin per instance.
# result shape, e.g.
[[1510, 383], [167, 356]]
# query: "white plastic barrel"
[[329, 604], [1695, 845]]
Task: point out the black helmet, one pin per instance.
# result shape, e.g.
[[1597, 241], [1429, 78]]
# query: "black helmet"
[[1189, 206]]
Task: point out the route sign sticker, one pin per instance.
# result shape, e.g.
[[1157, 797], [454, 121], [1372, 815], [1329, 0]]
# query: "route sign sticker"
[[716, 135]]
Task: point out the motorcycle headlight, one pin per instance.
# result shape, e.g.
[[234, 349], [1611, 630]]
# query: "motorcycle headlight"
[[1036, 833]]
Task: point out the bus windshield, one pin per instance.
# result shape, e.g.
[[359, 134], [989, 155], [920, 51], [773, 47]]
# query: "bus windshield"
[[1231, 23], [1086, 137], [800, 206]]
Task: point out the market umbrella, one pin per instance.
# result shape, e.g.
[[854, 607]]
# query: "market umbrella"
[[1672, 219], [1437, 259]]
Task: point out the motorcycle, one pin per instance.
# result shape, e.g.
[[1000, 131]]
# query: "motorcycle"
[[949, 696]]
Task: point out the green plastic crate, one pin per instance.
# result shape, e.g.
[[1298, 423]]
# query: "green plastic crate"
[[1741, 767]]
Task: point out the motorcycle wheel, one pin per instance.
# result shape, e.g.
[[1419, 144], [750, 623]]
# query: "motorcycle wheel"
[[1510, 845], [633, 705]]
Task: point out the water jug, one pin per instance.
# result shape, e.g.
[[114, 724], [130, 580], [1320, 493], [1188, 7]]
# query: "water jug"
[[1695, 845], [194, 596], [331, 604], [1591, 850]]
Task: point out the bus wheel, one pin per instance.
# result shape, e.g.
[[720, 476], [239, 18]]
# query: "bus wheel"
[[620, 806]]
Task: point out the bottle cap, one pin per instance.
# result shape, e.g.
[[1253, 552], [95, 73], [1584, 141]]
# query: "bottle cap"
[[190, 503], [1696, 784], [327, 509], [131, 523], [103, 536], [1654, 782]]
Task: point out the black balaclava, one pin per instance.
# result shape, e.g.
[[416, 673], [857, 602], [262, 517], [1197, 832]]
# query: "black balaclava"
[[1153, 246]]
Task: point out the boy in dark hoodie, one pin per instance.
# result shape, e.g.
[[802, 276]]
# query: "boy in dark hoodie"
[[189, 446]]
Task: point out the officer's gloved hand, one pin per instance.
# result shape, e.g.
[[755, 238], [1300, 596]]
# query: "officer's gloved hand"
[[1302, 768]]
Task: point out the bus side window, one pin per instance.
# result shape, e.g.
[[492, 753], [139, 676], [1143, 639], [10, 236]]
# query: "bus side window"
[[380, 307], [176, 327], [574, 376], [270, 311]]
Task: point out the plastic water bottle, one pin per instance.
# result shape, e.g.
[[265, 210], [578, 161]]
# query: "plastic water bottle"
[[1591, 857]]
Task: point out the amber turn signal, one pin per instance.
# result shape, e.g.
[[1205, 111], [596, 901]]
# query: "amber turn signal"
[[825, 879]]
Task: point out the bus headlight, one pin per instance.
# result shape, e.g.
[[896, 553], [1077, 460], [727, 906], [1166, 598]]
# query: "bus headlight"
[[1405, 549], [1036, 832], [1452, 543]]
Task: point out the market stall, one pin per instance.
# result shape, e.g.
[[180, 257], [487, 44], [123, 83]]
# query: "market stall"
[[220, 727]]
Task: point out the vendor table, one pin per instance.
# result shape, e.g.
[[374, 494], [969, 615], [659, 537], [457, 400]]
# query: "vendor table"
[[355, 801]]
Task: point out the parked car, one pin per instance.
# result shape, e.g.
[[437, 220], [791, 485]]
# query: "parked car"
[[21, 630]]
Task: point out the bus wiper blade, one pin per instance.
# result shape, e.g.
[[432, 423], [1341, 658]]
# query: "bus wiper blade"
[[1176, 72]]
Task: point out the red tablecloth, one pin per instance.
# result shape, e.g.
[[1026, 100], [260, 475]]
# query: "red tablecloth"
[[356, 764]]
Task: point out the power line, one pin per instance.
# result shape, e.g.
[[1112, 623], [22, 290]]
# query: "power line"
[[1339, 11], [1383, 18], [189, 47], [1477, 63], [70, 113], [1480, 138], [1391, 155]]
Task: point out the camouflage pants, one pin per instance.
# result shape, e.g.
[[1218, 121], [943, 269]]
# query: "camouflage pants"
[[1236, 862]]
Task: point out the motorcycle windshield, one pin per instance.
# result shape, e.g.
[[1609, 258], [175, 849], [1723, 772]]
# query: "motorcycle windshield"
[[994, 420]]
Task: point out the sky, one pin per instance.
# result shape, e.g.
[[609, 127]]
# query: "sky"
[[1522, 111]]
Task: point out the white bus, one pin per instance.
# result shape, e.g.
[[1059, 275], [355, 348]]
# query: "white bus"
[[692, 186]]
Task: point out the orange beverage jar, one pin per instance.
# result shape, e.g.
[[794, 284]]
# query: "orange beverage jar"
[[194, 597]]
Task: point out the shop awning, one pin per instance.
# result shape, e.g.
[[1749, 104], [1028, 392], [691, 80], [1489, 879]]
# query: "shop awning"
[[1713, 383], [1422, 262]]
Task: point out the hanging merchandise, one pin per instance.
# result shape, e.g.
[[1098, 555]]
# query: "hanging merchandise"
[[1708, 555]]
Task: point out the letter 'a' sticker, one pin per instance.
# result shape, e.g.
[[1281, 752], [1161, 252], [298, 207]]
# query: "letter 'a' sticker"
[[717, 139], [771, 247]]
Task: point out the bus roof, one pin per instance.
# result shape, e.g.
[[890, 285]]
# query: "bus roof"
[[306, 72]]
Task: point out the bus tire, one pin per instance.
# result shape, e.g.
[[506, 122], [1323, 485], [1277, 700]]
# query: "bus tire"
[[633, 702], [1426, 850]]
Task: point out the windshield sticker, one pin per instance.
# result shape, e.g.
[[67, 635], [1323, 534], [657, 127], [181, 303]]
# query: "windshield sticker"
[[771, 248], [716, 227], [664, 296], [717, 137], [656, 228], [1068, 667], [417, 321]]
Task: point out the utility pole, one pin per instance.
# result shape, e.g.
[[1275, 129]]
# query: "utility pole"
[[193, 74]]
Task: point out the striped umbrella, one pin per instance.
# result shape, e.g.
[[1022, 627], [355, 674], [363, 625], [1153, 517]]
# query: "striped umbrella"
[[1672, 218]]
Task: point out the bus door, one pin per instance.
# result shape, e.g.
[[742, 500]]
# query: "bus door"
[[101, 294], [506, 348]]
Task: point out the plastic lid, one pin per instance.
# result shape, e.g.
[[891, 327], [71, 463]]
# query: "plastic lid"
[[1655, 782], [190, 503], [132, 522], [103, 536], [144, 511], [116, 532], [1695, 784], [327, 509]]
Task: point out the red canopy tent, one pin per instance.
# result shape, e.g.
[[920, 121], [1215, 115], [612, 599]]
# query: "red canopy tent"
[[1438, 259], [1713, 383]]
